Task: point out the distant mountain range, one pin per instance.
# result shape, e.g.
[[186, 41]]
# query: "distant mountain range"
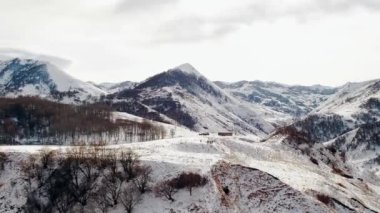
[[184, 96], [334, 129]]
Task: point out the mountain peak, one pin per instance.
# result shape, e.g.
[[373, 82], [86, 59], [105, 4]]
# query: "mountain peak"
[[20, 76], [187, 68]]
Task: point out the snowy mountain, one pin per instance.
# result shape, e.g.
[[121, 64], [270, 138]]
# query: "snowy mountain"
[[358, 102], [326, 160], [184, 95], [292, 101], [342, 132], [354, 105], [115, 87], [29, 77]]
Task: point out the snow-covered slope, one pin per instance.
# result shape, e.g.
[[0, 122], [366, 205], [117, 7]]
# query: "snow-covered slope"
[[361, 148], [292, 101], [260, 177], [359, 102], [343, 132], [29, 77], [355, 105], [172, 131], [186, 96], [115, 87]]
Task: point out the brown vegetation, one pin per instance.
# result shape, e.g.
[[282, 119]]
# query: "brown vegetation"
[[70, 180], [31, 118]]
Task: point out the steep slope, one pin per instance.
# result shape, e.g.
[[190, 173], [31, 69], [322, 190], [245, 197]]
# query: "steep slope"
[[343, 132], [292, 101], [354, 105], [358, 102], [187, 97], [28, 77], [360, 149]]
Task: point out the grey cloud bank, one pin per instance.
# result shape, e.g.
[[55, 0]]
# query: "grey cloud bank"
[[289, 41]]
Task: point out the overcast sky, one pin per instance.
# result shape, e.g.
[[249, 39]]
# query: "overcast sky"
[[304, 42]]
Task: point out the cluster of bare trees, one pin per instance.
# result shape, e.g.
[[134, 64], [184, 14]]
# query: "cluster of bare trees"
[[188, 180], [92, 179], [70, 181], [46, 122]]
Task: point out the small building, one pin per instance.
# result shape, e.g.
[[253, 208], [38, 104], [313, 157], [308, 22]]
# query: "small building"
[[225, 133], [204, 133]]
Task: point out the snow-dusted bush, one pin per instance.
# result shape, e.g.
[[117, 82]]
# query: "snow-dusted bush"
[[324, 199], [190, 180]]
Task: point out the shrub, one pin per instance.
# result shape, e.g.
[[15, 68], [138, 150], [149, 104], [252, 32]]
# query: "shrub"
[[226, 190], [313, 160], [190, 180], [324, 198], [340, 172]]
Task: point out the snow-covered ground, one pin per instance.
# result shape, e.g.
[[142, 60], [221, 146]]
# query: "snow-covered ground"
[[349, 101], [173, 131], [201, 154]]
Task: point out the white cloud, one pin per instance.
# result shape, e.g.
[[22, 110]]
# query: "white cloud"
[[291, 41], [142, 5], [8, 54]]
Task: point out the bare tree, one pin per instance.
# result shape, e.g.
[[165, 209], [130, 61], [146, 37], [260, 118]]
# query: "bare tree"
[[29, 172], [84, 175], [58, 189], [166, 189], [47, 157], [129, 160], [111, 184], [3, 160], [130, 197], [172, 133], [101, 201], [64, 203], [190, 180], [142, 177]]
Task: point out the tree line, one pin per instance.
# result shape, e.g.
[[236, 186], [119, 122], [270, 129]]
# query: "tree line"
[[30, 119]]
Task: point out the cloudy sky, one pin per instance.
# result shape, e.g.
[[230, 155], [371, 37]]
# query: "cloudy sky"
[[290, 41]]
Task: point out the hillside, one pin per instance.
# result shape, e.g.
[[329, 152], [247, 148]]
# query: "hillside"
[[294, 148], [291, 101], [359, 102], [184, 95], [343, 132], [30, 120], [258, 176], [27, 77]]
